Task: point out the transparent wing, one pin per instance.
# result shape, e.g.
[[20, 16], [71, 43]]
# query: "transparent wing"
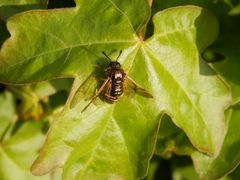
[[103, 86], [85, 91], [131, 88]]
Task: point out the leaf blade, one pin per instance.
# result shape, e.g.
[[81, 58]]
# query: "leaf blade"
[[205, 87], [63, 49]]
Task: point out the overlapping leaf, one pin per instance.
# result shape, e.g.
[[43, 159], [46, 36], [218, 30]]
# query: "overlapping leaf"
[[48, 88], [207, 167], [11, 7], [227, 47], [229, 157], [218, 7], [7, 111], [229, 67], [18, 152], [32, 97]]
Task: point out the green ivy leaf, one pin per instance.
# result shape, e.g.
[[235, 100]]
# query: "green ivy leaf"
[[11, 7], [108, 150], [18, 152], [235, 174], [218, 7], [229, 157], [235, 11], [228, 40], [30, 107], [225, 51], [169, 138], [48, 88], [34, 98], [68, 42], [180, 75], [7, 111], [228, 45], [205, 166], [182, 168], [153, 169]]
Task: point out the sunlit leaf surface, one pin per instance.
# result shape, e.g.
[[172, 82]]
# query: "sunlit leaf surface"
[[11, 7], [117, 141]]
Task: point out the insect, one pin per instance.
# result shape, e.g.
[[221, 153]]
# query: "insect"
[[113, 86]]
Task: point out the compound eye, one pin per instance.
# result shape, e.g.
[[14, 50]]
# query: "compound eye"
[[111, 64], [118, 65]]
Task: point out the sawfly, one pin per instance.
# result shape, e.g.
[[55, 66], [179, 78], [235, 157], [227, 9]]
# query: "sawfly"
[[116, 83]]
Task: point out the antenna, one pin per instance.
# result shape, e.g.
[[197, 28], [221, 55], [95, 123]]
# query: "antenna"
[[106, 55], [110, 58], [119, 55]]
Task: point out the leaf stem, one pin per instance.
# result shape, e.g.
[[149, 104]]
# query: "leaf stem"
[[141, 34], [150, 3]]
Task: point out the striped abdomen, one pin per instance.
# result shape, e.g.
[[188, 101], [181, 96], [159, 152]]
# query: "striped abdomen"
[[116, 88]]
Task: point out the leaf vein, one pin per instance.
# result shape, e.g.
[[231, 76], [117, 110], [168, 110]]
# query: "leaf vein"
[[67, 56], [94, 149], [125, 144], [123, 13], [172, 32], [4, 69], [11, 159], [181, 87]]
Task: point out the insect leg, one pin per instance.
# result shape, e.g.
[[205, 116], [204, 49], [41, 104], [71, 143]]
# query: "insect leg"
[[89, 98], [97, 93]]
